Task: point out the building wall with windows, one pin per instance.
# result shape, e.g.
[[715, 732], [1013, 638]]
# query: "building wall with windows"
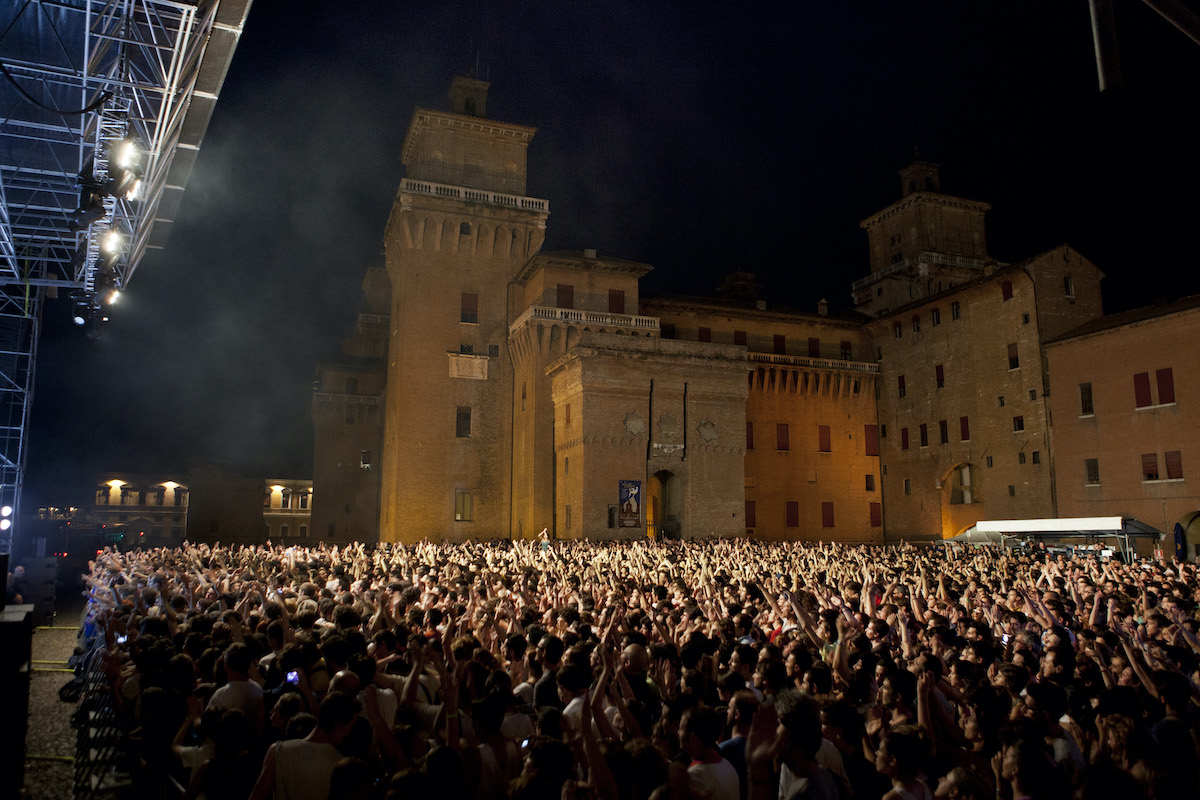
[[287, 510], [964, 427], [811, 452], [1126, 430], [459, 232], [142, 510], [347, 415], [512, 391]]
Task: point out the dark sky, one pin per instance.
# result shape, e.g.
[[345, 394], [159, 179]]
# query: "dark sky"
[[698, 137]]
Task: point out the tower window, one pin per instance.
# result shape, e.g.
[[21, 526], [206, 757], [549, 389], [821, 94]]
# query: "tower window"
[[464, 229], [470, 307], [1006, 290], [955, 310], [616, 301], [935, 317], [462, 423], [566, 295], [464, 506]]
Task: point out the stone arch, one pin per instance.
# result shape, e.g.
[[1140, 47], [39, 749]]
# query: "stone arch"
[[1189, 524], [959, 490]]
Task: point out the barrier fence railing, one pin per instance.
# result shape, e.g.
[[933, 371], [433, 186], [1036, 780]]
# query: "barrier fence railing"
[[103, 758]]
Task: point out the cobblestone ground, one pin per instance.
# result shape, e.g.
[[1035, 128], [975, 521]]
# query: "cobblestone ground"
[[51, 739]]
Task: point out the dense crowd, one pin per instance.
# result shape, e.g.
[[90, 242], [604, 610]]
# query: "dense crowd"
[[722, 670]]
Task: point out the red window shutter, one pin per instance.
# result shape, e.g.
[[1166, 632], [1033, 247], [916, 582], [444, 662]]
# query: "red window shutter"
[[616, 301], [1141, 389], [749, 435], [1006, 290], [1174, 461], [924, 435], [751, 521], [780, 344], [793, 514], [823, 443], [781, 436], [940, 372], [1149, 466], [904, 438], [876, 515], [705, 334], [814, 347], [739, 337], [964, 429], [871, 435], [1166, 385], [827, 514]]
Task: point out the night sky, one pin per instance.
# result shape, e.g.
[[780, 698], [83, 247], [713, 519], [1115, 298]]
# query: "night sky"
[[698, 137]]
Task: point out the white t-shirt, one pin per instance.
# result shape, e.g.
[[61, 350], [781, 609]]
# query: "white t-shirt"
[[718, 780], [303, 769]]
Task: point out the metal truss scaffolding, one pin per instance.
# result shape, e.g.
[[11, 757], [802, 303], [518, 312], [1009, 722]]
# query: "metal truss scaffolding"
[[103, 106]]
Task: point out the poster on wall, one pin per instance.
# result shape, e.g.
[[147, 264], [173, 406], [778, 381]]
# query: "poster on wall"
[[629, 512]]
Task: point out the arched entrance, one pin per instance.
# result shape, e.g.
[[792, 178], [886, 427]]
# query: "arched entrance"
[[959, 492], [664, 511], [1190, 523]]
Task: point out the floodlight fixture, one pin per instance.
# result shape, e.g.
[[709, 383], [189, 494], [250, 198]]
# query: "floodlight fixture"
[[5, 524], [113, 242], [127, 154]]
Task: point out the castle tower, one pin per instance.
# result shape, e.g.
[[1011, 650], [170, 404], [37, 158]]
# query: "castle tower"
[[460, 229], [922, 244]]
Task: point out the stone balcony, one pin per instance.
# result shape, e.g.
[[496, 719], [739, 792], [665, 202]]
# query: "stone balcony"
[[835, 364], [965, 263], [474, 195], [592, 319]]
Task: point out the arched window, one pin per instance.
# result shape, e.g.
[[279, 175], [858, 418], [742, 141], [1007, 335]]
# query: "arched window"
[[464, 229]]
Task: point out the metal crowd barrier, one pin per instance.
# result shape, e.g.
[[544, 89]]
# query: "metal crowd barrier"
[[103, 758]]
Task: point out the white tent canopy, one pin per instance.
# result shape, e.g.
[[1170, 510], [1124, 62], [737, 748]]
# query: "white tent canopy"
[[1116, 530]]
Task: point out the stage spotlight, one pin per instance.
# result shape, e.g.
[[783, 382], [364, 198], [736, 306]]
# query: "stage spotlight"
[[112, 243], [81, 312], [126, 154], [125, 170]]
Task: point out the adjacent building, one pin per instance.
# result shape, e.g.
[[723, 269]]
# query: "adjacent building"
[[1126, 434], [146, 510]]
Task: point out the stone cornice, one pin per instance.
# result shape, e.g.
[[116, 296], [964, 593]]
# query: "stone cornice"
[[578, 260], [426, 118], [923, 198]]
